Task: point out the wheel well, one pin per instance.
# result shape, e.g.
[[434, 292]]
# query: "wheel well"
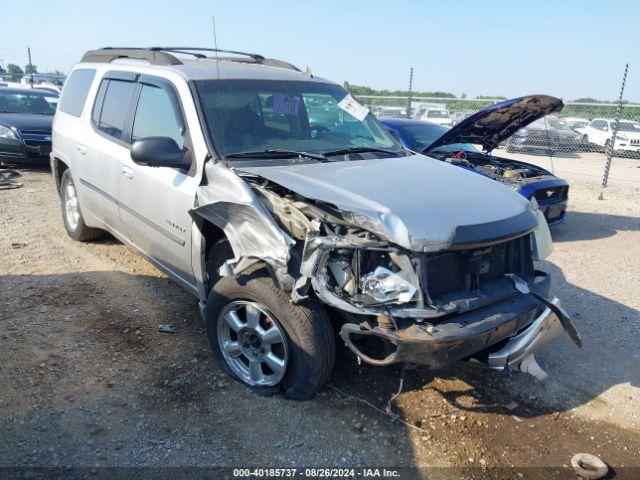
[[58, 169], [212, 234]]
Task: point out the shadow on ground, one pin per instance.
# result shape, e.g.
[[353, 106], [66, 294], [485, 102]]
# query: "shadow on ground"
[[592, 226]]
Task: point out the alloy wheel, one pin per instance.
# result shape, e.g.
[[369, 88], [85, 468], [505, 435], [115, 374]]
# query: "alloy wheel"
[[252, 342], [71, 209]]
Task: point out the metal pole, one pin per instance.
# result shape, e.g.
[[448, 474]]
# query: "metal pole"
[[612, 143], [31, 77], [410, 89]]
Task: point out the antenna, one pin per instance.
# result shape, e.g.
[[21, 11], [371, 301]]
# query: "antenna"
[[215, 45]]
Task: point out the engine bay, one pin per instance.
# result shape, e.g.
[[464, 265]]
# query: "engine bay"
[[496, 168]]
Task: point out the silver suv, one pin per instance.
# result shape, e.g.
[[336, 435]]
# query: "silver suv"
[[288, 211]]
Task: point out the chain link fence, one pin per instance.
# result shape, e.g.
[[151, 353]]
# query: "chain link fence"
[[575, 142]]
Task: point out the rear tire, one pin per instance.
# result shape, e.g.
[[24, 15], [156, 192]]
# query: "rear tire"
[[302, 333], [71, 212]]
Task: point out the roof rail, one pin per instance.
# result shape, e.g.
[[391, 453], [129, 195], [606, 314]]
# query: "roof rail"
[[164, 56], [109, 54]]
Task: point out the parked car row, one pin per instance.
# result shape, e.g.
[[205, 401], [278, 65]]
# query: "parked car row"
[[549, 135], [599, 132], [293, 215], [546, 135]]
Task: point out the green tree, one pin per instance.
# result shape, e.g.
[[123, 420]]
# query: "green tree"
[[30, 68], [15, 72]]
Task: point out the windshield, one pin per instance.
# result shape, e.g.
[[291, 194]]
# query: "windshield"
[[390, 113], [24, 101], [437, 114], [628, 127], [259, 115], [420, 135], [578, 123], [554, 123]]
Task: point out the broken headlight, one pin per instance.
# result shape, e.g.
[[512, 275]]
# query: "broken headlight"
[[385, 286], [372, 276]]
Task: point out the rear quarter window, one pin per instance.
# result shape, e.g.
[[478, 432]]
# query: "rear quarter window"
[[76, 88]]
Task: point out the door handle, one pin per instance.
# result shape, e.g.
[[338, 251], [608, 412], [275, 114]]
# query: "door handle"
[[127, 173], [82, 150]]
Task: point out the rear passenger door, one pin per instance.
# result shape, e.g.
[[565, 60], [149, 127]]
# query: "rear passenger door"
[[106, 146], [154, 202]]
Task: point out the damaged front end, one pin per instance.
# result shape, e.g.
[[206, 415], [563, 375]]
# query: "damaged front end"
[[429, 306]]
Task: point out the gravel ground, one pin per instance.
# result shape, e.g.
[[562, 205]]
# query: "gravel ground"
[[87, 379]]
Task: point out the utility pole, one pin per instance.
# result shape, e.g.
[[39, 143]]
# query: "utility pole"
[[29, 55], [410, 89]]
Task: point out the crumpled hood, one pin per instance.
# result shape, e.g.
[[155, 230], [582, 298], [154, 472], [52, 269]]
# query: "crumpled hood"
[[492, 125], [416, 202]]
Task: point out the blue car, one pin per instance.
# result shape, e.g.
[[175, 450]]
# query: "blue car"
[[490, 127], [25, 124]]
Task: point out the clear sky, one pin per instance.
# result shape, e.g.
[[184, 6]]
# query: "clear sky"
[[570, 48]]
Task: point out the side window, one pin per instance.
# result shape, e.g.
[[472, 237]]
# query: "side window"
[[97, 106], [75, 91], [114, 107], [156, 116]]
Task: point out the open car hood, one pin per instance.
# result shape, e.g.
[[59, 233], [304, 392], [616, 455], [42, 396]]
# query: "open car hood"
[[494, 124]]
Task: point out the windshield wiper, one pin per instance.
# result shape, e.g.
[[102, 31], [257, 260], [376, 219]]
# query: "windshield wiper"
[[347, 151], [276, 153]]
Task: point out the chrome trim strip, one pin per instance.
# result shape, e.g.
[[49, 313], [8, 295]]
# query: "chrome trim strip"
[[152, 224], [140, 217], [98, 190]]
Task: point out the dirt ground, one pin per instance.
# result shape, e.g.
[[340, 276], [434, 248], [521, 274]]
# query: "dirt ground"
[[87, 380]]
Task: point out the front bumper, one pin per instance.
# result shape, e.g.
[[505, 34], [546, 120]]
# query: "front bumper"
[[19, 152], [504, 332], [627, 147], [545, 328]]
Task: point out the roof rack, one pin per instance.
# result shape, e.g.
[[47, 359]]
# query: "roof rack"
[[164, 56]]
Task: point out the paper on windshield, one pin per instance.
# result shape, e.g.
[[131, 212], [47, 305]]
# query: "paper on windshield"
[[352, 107], [286, 104]]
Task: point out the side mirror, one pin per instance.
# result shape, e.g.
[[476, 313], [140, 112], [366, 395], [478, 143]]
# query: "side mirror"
[[158, 152]]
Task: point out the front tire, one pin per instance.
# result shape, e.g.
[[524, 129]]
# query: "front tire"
[[71, 212], [266, 342]]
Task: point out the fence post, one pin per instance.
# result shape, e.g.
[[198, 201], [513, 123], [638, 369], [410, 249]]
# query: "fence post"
[[410, 91], [612, 143]]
